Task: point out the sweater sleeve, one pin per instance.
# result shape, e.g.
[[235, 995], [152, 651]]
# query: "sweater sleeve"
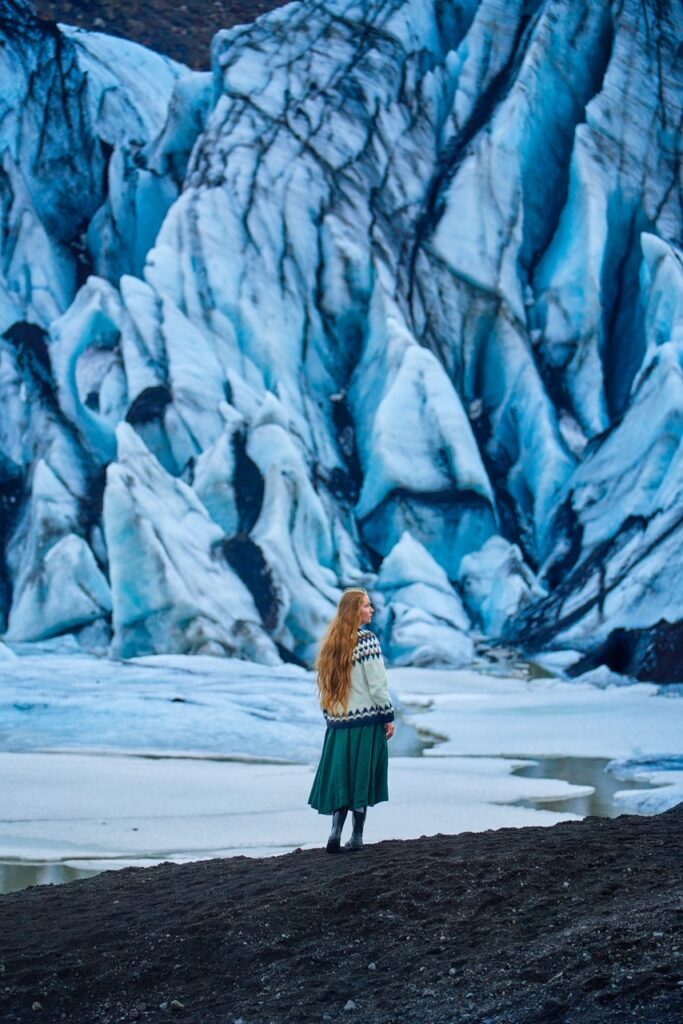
[[376, 678]]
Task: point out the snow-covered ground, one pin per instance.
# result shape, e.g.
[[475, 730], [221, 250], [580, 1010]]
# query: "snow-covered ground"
[[109, 763]]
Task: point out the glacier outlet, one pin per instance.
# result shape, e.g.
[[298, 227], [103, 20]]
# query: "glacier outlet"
[[392, 297]]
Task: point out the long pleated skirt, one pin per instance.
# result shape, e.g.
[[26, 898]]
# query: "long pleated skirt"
[[353, 769]]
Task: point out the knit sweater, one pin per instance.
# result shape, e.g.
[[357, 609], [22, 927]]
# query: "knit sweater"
[[369, 701]]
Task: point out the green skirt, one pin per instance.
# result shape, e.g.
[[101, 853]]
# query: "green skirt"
[[352, 770]]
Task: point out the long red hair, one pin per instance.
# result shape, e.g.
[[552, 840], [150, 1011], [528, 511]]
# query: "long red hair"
[[335, 658]]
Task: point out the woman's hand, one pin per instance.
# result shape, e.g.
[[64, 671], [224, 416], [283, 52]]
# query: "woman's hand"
[[389, 729]]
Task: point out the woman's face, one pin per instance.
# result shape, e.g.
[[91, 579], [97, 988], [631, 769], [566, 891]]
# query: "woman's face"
[[366, 611]]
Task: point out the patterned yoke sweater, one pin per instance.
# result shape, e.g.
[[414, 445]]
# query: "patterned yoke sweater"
[[369, 701]]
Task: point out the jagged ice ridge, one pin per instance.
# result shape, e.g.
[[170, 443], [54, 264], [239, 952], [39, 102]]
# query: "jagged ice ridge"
[[392, 297]]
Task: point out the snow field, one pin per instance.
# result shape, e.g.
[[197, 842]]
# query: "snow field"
[[178, 758]]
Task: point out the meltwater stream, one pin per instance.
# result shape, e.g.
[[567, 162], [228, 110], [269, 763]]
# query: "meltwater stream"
[[580, 771]]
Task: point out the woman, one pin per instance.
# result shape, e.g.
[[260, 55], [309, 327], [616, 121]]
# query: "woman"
[[354, 697]]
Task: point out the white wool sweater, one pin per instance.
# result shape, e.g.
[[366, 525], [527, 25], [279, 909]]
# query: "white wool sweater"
[[369, 701]]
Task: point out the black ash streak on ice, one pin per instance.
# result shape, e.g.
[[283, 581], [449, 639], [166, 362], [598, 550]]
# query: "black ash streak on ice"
[[578, 924], [393, 290]]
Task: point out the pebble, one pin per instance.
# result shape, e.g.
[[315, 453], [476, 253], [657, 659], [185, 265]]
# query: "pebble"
[[163, 1006], [177, 1005], [452, 971], [658, 935], [350, 1005], [36, 1005], [372, 966]]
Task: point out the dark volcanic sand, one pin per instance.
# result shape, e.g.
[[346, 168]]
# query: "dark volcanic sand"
[[182, 29], [579, 923]]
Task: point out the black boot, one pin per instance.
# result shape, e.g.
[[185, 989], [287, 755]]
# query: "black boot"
[[338, 819], [356, 841]]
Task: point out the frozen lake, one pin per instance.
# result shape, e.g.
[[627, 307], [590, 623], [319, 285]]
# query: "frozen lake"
[[106, 764]]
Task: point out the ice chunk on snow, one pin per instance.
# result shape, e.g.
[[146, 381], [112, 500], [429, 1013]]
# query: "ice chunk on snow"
[[423, 621], [171, 591], [663, 771], [496, 584], [57, 506], [67, 590], [409, 562]]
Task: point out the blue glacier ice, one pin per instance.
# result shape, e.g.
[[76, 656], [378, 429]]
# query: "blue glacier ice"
[[391, 297]]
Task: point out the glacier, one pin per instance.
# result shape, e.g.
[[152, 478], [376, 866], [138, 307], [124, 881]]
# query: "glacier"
[[390, 297]]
